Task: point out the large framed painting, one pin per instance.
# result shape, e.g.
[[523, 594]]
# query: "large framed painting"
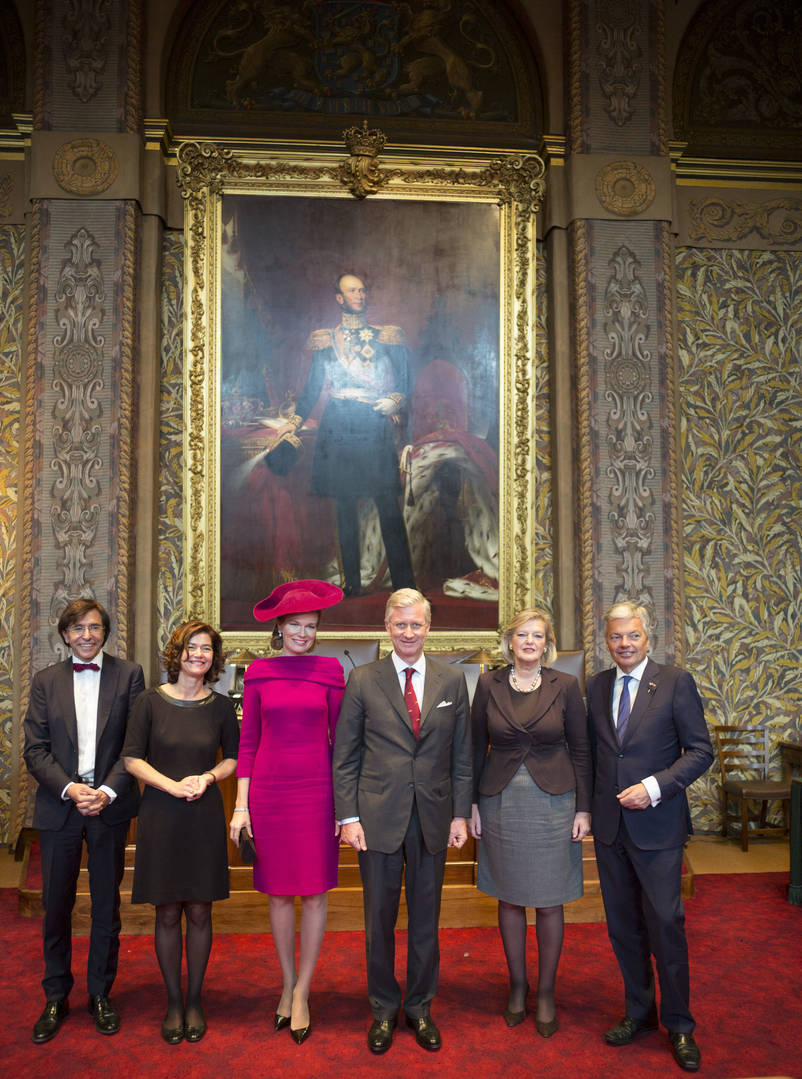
[[359, 383]]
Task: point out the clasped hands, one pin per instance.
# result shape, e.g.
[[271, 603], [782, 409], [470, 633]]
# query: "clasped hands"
[[88, 801], [192, 787]]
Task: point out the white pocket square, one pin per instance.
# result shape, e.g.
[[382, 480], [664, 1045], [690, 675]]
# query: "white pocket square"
[[444, 704]]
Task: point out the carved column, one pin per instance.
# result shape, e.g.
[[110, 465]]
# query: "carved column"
[[620, 247], [78, 471]]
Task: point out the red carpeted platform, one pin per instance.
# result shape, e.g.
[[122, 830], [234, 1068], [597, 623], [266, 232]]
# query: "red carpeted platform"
[[746, 944]]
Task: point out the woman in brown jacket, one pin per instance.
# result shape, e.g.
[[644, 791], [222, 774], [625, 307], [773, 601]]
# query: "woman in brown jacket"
[[531, 811]]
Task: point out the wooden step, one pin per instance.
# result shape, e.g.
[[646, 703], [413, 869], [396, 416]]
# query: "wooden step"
[[246, 910]]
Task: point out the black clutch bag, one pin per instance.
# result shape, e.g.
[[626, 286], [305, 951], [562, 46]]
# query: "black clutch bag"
[[247, 849]]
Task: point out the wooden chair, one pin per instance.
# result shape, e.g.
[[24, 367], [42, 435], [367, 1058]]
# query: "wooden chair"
[[743, 754]]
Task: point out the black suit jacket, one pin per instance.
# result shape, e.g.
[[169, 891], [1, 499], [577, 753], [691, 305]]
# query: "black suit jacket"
[[380, 768], [51, 739], [553, 743], [666, 737]]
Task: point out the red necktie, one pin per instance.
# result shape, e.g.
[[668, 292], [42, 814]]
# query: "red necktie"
[[86, 667], [412, 702]]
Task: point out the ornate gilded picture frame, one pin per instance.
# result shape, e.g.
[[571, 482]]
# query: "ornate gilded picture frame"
[[359, 390]]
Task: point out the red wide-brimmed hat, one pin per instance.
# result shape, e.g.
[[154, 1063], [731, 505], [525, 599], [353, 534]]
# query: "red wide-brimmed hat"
[[297, 597]]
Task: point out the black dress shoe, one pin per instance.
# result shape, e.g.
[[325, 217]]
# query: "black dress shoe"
[[514, 1019], [172, 1035], [546, 1029], [426, 1033], [625, 1032], [300, 1034], [280, 1021], [46, 1026], [105, 1015], [686, 1051], [380, 1035], [196, 1032]]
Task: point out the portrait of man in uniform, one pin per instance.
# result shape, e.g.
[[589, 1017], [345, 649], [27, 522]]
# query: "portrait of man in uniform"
[[359, 403]]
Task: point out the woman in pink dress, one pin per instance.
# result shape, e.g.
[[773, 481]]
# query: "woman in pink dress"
[[285, 799]]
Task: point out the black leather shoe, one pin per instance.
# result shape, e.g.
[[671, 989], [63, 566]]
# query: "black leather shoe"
[[426, 1033], [280, 1021], [514, 1019], [686, 1051], [172, 1035], [625, 1032], [46, 1026], [300, 1034], [105, 1015], [380, 1035], [195, 1033], [546, 1028]]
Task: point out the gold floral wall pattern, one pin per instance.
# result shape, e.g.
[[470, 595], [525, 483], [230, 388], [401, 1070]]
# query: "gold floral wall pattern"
[[12, 282], [171, 504], [739, 315]]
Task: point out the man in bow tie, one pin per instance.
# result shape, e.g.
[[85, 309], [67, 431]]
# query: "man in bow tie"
[[402, 793], [74, 734], [650, 742]]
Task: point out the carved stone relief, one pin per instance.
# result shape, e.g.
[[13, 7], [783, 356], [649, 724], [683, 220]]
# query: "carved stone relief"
[[78, 378], [777, 221], [620, 67], [624, 188], [86, 31], [85, 166], [629, 440]]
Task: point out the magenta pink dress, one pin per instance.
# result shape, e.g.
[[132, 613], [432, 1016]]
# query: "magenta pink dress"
[[290, 706]]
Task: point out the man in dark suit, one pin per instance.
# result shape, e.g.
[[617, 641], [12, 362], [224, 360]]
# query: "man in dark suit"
[[402, 793], [74, 734], [650, 742]]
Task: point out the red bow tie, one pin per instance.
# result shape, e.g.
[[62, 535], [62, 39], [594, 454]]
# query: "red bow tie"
[[86, 666]]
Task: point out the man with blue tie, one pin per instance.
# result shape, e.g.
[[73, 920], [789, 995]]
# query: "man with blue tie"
[[74, 733], [650, 742]]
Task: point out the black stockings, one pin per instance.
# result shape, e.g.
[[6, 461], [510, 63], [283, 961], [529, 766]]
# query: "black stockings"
[[168, 952], [549, 932]]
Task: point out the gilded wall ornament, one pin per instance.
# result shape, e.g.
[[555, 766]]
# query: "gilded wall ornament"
[[207, 175], [86, 31], [620, 66], [629, 441], [361, 171], [624, 188], [85, 166], [77, 378], [777, 221]]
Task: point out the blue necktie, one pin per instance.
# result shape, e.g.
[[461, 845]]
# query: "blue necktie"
[[623, 708]]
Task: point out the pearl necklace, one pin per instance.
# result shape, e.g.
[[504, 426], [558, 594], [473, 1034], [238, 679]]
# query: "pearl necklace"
[[516, 684]]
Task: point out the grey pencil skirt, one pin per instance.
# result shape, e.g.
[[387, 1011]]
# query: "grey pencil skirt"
[[526, 855]]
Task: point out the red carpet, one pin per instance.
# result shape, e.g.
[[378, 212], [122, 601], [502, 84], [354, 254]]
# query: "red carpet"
[[746, 952]]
